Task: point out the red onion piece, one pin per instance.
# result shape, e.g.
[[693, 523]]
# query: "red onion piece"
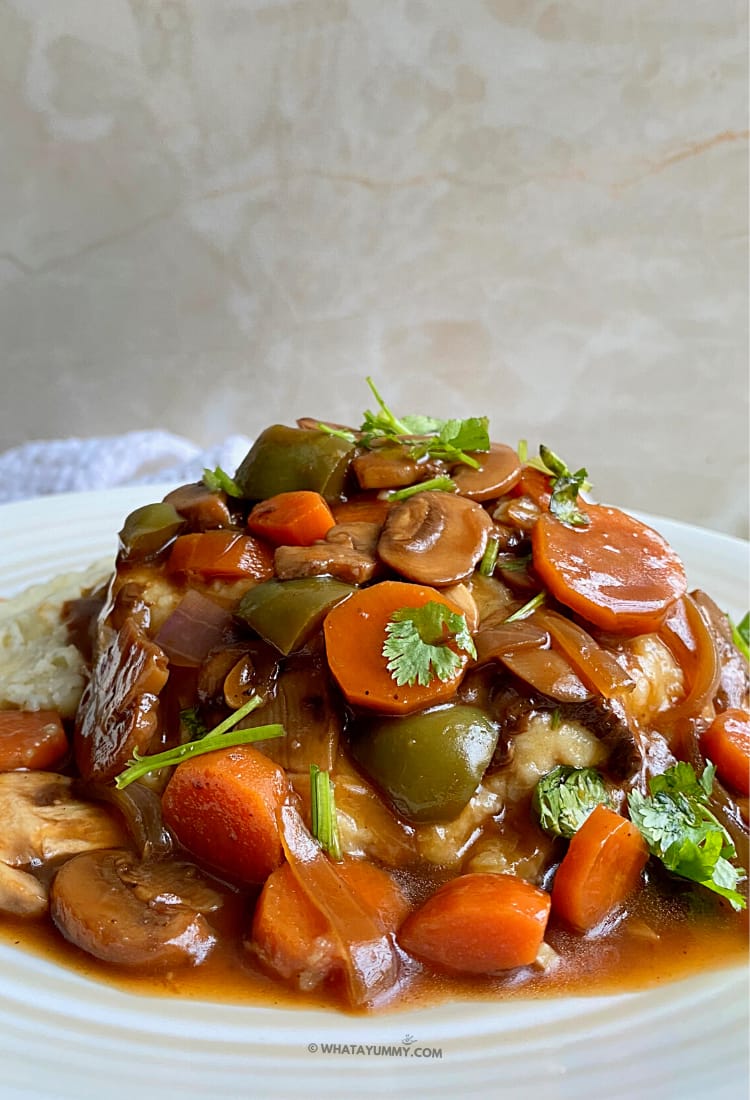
[[194, 628]]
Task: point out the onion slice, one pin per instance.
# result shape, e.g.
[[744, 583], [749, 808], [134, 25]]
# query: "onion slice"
[[370, 959], [193, 629], [594, 664], [690, 640]]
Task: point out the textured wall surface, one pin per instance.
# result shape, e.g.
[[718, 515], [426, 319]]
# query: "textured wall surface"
[[215, 214]]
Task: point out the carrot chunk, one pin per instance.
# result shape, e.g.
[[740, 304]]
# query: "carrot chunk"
[[31, 739], [478, 923], [293, 938], [355, 632], [222, 807], [601, 869], [291, 519], [221, 553], [618, 573], [726, 744]]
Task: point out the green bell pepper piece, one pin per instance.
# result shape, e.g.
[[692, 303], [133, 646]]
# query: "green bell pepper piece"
[[288, 613], [428, 764], [283, 460], [149, 529]]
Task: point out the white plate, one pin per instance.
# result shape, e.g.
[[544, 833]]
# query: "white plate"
[[62, 1036]]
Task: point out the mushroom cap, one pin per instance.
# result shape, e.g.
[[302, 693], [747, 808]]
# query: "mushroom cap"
[[434, 538], [131, 913], [499, 471]]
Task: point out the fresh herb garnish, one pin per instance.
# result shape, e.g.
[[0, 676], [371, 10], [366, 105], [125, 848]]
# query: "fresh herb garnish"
[[448, 440], [193, 725], [741, 635], [339, 433], [681, 831], [218, 738], [564, 798], [324, 825], [489, 557], [218, 480], [418, 643], [528, 608], [443, 484], [565, 487]]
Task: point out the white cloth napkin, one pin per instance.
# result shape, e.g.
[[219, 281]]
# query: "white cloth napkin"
[[135, 458]]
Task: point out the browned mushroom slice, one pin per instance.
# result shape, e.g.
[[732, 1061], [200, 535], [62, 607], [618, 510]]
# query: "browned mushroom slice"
[[134, 914], [500, 470], [348, 552], [203, 508], [119, 709], [21, 894], [434, 538], [388, 467], [42, 820]]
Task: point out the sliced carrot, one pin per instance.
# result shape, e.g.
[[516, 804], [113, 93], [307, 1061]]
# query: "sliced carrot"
[[221, 553], [31, 739], [617, 573], [222, 808], [535, 484], [293, 938], [726, 744], [601, 869], [291, 519], [354, 637], [479, 923]]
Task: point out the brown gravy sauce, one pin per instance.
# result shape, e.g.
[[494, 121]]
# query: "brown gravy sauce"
[[657, 942]]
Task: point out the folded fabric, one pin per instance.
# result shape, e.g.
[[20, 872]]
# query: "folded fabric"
[[135, 458]]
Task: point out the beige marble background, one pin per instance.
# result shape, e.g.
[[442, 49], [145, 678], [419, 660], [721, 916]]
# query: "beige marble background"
[[215, 214]]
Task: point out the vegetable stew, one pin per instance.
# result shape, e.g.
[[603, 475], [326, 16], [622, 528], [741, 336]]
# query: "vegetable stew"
[[392, 714]]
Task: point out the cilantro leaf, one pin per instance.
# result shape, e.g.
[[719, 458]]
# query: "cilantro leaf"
[[418, 641], [218, 480], [741, 635], [682, 832], [448, 440], [564, 798], [566, 486]]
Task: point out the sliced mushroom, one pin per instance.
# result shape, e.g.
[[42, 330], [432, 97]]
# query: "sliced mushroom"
[[347, 553], [500, 470], [388, 467], [134, 914], [43, 820], [119, 707], [21, 894], [203, 508], [434, 538]]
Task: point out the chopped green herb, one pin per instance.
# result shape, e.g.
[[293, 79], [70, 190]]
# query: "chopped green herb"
[[443, 484], [564, 798], [522, 450], [448, 440], [339, 433], [683, 833], [192, 723], [418, 643], [741, 635], [513, 564], [323, 812], [528, 608], [565, 487], [489, 558], [555, 719], [218, 480], [218, 738]]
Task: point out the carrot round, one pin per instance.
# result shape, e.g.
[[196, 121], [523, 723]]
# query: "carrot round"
[[221, 553], [601, 869], [291, 519], [222, 808], [478, 923], [293, 938], [726, 743], [354, 637], [31, 739], [616, 572]]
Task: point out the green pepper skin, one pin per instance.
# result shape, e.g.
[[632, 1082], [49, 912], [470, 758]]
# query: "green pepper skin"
[[283, 460], [288, 613], [149, 529], [428, 764]]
